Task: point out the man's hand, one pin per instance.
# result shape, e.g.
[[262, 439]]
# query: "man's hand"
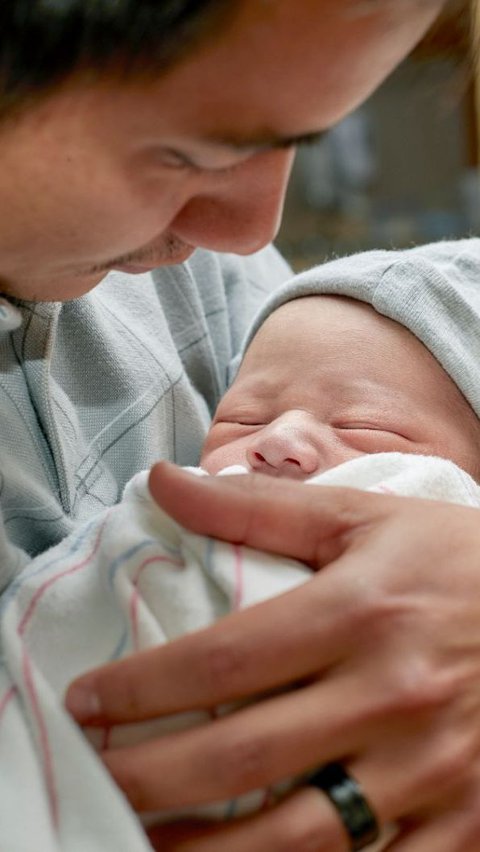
[[382, 647]]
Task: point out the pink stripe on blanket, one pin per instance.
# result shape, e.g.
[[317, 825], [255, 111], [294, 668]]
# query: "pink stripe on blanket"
[[43, 737], [44, 745], [52, 580]]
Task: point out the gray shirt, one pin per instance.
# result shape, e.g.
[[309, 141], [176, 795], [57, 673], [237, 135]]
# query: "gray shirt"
[[96, 389]]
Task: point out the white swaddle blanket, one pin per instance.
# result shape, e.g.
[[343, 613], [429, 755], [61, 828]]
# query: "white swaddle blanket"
[[129, 580]]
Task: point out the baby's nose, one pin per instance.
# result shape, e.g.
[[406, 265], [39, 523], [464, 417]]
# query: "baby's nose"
[[283, 448]]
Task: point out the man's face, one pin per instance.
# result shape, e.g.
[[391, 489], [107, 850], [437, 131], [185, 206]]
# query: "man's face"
[[327, 379], [133, 176]]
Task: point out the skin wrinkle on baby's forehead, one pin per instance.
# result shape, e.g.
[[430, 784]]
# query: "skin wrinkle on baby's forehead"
[[348, 390]]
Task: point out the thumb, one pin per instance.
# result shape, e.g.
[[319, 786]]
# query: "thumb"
[[314, 524]]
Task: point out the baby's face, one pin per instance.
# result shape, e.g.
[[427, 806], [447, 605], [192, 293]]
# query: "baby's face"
[[327, 379]]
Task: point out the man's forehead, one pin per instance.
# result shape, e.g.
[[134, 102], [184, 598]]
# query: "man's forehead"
[[257, 88]]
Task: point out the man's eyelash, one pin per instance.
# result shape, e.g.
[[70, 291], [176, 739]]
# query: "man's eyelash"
[[176, 160]]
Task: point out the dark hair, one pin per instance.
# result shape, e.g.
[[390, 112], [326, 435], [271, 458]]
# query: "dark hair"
[[42, 42]]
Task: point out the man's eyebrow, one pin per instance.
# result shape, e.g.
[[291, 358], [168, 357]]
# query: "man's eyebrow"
[[264, 139]]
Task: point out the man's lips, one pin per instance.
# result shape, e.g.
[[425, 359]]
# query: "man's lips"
[[134, 269], [178, 256]]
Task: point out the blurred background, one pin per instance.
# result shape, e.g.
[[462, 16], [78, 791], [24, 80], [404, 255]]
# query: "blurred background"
[[404, 168]]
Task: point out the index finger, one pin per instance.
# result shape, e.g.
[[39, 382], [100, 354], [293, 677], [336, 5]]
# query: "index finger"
[[312, 524]]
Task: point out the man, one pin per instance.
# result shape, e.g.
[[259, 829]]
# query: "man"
[[119, 153]]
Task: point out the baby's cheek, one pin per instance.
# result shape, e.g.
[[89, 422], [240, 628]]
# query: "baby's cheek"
[[223, 447], [215, 459]]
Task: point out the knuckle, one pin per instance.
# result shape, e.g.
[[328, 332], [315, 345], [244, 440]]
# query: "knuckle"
[[241, 764], [127, 694], [413, 679], [412, 690], [301, 827], [374, 613], [222, 666], [417, 687]]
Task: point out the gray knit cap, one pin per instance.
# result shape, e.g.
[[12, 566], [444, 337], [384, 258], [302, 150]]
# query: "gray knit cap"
[[432, 290]]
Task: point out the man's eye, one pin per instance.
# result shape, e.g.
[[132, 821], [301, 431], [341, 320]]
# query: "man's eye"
[[175, 159]]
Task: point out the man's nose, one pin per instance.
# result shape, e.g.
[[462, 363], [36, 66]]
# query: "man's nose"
[[238, 210], [287, 448]]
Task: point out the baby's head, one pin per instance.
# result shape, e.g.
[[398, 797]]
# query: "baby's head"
[[327, 377]]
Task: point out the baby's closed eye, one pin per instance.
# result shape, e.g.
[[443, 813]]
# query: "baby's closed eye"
[[374, 438]]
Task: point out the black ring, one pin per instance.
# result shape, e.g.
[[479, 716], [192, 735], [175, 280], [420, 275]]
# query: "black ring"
[[346, 795]]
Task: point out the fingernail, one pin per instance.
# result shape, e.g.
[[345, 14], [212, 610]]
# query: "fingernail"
[[83, 703]]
